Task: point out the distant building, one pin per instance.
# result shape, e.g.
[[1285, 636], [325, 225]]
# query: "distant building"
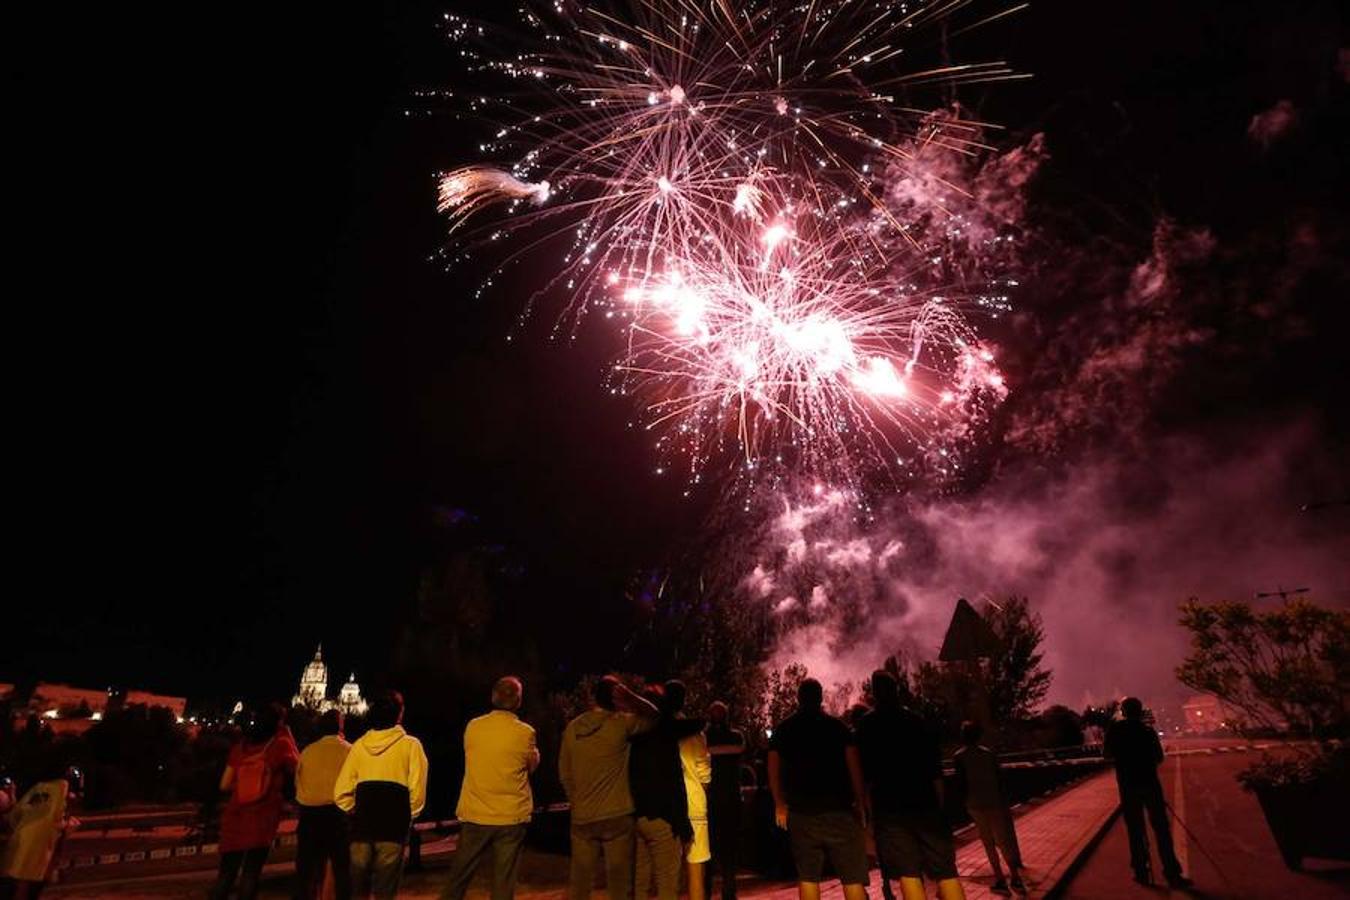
[[74, 709], [349, 698], [175, 705], [1205, 714], [313, 692], [313, 683]]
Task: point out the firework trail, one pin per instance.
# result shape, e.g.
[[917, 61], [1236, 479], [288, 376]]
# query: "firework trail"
[[748, 191], [471, 188]]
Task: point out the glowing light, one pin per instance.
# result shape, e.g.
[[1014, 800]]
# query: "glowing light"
[[880, 379], [775, 235], [747, 200]]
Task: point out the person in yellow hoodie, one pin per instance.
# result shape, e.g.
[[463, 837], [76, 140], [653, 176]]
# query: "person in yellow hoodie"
[[321, 835], [36, 822], [383, 784]]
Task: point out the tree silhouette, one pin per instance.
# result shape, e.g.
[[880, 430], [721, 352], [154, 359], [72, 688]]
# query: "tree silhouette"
[[1289, 666], [1014, 678]]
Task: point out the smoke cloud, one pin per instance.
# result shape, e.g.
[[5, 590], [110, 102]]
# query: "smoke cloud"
[[1106, 549], [1155, 446]]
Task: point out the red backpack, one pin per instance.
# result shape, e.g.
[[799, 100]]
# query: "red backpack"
[[253, 776]]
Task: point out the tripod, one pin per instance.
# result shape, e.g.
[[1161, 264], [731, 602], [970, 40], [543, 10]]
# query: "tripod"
[[1199, 846]]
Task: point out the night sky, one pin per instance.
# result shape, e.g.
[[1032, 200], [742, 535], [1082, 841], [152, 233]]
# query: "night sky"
[[245, 392]]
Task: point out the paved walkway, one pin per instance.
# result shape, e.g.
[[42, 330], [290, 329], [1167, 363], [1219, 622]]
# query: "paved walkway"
[[1225, 847], [1052, 834]]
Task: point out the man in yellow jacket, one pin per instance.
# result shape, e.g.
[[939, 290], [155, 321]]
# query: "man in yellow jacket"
[[495, 801]]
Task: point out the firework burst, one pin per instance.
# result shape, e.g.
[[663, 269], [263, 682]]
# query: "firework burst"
[[725, 176]]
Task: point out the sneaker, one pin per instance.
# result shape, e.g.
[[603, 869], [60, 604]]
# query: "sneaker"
[[1178, 881], [1018, 885], [1000, 887]]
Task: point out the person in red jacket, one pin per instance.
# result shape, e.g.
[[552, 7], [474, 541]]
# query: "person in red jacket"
[[255, 777]]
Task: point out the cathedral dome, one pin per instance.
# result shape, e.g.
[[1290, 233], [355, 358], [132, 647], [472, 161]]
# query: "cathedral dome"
[[313, 683], [316, 672]]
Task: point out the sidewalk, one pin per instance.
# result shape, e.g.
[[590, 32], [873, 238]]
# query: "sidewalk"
[[1054, 837], [1053, 834]]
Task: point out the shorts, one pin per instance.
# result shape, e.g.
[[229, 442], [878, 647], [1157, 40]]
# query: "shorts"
[[836, 836], [700, 848], [913, 844]]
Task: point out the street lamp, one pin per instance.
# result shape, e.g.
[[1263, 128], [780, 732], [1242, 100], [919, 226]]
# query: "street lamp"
[[1283, 594]]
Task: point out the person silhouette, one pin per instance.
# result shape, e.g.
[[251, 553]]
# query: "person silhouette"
[[1135, 750]]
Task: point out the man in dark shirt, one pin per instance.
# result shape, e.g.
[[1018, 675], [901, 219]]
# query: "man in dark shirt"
[[1136, 751], [902, 765], [659, 802], [726, 745], [816, 779]]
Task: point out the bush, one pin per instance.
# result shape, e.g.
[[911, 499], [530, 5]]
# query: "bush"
[[1286, 771]]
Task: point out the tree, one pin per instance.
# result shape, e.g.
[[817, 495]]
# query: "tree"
[[1059, 726], [1289, 666], [780, 696], [1015, 681]]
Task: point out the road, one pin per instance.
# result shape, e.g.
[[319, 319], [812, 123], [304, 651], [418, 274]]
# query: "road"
[[1227, 828]]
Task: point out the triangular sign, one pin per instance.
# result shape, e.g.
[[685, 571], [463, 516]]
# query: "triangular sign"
[[969, 637]]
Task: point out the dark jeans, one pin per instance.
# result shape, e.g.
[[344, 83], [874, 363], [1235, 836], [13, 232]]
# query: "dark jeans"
[[724, 827], [475, 841], [244, 865], [376, 869], [320, 838], [1135, 799], [612, 837], [20, 889]]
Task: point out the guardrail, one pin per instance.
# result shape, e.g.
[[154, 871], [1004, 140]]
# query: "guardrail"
[[549, 827]]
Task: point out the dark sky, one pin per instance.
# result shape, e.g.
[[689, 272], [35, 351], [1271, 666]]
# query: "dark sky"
[[242, 387]]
